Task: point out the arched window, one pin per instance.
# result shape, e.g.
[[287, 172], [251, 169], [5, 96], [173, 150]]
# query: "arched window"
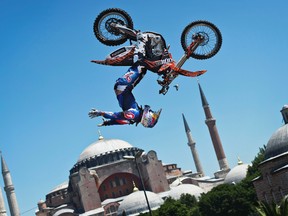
[[111, 209]]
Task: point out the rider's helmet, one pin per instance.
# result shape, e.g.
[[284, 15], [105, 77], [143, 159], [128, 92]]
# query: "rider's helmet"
[[149, 117]]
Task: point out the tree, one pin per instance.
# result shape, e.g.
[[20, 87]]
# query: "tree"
[[239, 199], [225, 200], [191, 203], [188, 200], [253, 170], [185, 206]]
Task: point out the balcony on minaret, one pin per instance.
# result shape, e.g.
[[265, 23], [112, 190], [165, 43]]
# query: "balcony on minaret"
[[284, 112]]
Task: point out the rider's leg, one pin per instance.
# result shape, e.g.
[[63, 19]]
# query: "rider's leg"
[[124, 85]]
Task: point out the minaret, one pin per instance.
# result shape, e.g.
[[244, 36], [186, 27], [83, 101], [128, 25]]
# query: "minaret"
[[192, 144], [211, 123], [2, 205], [9, 189]]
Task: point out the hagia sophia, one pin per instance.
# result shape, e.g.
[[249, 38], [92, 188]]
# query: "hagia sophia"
[[112, 177]]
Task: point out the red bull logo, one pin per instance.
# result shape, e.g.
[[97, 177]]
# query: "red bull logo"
[[129, 115]]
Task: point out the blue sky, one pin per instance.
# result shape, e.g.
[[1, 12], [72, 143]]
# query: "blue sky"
[[48, 85]]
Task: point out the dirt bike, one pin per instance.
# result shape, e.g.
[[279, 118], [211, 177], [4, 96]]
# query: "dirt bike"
[[199, 39]]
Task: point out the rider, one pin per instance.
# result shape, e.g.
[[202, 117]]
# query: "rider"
[[148, 45]]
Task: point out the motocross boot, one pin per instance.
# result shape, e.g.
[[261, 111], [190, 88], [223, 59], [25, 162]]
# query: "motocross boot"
[[104, 123]]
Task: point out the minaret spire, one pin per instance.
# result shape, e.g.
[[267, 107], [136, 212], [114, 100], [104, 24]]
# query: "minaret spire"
[[191, 144], [211, 123], [9, 189]]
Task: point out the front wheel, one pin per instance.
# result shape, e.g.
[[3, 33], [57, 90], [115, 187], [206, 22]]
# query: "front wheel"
[[212, 39], [104, 31]]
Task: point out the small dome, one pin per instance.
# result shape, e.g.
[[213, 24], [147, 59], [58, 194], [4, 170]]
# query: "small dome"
[[183, 180], [191, 189], [103, 146], [136, 203], [65, 211], [41, 201], [236, 174], [278, 142], [59, 187]]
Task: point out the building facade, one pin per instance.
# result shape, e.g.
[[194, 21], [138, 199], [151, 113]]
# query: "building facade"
[[102, 177], [272, 184]]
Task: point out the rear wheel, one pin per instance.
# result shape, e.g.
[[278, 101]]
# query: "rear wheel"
[[212, 39], [105, 33]]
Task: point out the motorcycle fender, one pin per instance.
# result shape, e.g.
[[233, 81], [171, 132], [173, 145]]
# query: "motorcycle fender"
[[120, 57], [189, 73]]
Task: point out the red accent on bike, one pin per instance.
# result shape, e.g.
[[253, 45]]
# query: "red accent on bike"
[[125, 60]]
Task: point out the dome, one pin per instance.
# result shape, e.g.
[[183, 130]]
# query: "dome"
[[191, 189], [66, 211], [59, 187], [236, 174], [136, 203], [103, 146], [278, 143], [102, 152]]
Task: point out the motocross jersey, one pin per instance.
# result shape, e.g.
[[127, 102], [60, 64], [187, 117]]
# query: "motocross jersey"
[[150, 45]]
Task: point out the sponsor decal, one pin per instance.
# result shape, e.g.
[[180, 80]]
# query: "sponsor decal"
[[117, 52], [164, 61], [128, 75], [129, 115]]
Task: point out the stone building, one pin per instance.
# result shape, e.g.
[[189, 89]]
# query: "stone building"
[[102, 178], [272, 184]]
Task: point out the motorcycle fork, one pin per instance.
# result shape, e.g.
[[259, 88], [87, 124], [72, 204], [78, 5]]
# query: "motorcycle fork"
[[170, 76]]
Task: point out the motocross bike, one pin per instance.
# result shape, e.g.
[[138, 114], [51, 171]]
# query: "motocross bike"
[[200, 40]]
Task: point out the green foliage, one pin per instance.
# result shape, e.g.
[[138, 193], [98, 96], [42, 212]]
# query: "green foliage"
[[253, 170], [188, 200], [234, 200], [223, 200], [173, 207], [185, 206], [265, 209]]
